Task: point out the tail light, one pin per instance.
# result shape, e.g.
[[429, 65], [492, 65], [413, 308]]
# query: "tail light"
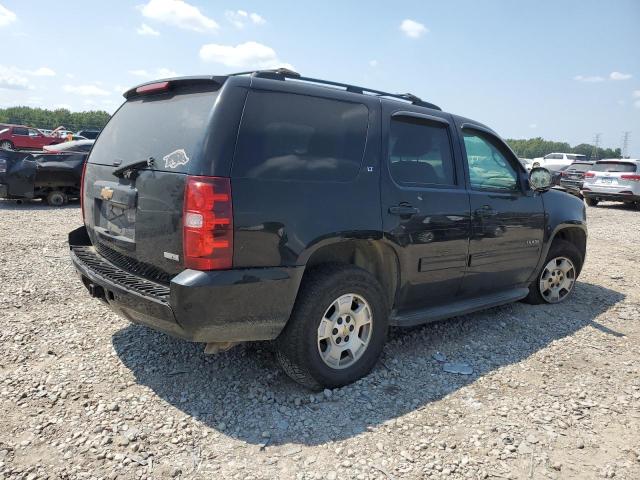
[[207, 234], [589, 175], [84, 169], [633, 178]]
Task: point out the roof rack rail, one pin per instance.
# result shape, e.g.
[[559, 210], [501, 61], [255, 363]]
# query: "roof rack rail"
[[284, 73]]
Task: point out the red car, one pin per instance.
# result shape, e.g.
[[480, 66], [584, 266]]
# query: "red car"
[[19, 137]]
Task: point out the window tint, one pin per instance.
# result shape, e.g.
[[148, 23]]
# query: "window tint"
[[420, 153], [33, 132], [20, 131], [580, 167], [157, 126], [576, 157], [488, 167], [614, 167], [295, 137]]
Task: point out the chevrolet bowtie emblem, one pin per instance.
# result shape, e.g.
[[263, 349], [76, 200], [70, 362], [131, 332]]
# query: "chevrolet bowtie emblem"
[[106, 193]]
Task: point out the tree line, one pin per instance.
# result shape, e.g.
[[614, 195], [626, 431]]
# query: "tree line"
[[539, 147], [50, 119]]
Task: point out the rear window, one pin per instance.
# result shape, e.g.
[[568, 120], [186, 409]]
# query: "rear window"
[[168, 127], [613, 167], [580, 167], [295, 137], [576, 157]]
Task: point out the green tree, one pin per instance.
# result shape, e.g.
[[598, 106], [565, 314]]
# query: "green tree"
[[50, 119]]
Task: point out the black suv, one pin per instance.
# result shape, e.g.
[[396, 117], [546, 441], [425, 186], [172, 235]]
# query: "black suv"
[[270, 206]]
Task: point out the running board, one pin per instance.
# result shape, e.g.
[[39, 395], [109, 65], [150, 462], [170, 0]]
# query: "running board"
[[462, 307]]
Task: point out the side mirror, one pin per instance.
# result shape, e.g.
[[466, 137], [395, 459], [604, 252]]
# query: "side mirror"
[[540, 179]]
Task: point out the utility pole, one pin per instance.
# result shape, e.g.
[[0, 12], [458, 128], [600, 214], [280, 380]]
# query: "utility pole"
[[596, 145], [625, 144]]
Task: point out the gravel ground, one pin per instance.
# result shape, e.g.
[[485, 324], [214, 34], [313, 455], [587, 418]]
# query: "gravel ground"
[[555, 390]]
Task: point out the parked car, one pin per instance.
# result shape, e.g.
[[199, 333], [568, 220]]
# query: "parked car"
[[89, 133], [251, 207], [53, 175], [555, 161], [573, 176], [615, 179], [19, 137], [527, 163]]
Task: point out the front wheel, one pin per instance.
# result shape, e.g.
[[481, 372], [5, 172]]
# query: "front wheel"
[[556, 281], [337, 329], [6, 145], [592, 202]]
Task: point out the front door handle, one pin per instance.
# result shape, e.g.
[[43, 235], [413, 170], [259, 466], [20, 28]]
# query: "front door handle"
[[404, 210], [486, 211]]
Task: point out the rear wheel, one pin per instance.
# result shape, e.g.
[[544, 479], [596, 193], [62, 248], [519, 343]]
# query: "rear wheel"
[[57, 198], [6, 145], [556, 281], [592, 202], [337, 329]]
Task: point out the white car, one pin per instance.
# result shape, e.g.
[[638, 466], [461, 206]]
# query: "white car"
[[555, 161], [526, 163], [613, 179]]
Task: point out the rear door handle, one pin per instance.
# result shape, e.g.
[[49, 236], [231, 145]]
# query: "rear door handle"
[[486, 211], [403, 210]]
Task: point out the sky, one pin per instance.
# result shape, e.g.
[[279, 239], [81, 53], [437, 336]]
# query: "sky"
[[562, 69]]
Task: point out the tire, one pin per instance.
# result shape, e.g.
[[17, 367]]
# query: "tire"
[[6, 145], [57, 198], [592, 202], [300, 350], [560, 249]]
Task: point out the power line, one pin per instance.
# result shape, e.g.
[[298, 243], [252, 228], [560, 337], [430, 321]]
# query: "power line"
[[596, 146], [625, 144]]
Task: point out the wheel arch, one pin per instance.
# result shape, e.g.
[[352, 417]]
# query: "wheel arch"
[[373, 256]]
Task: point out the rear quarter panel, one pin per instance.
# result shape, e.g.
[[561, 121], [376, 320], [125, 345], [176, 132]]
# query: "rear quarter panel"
[[281, 222]]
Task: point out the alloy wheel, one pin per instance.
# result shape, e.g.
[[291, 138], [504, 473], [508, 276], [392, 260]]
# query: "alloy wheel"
[[557, 279], [345, 331]]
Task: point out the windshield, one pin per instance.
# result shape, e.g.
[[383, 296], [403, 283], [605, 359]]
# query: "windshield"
[[614, 167], [168, 127]]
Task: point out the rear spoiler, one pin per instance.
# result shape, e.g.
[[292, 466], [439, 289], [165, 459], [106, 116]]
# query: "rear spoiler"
[[169, 83]]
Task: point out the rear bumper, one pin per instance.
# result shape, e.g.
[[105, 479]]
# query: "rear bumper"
[[223, 306], [611, 196]]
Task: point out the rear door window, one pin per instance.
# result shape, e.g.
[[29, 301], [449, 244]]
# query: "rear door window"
[[286, 136], [420, 153], [20, 131]]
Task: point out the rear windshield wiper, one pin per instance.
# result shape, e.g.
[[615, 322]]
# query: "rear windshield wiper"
[[131, 170]]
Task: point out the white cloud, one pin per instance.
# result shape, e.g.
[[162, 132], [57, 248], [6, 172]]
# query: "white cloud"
[[86, 90], [145, 29], [178, 14], [43, 72], [635, 94], [413, 29], [588, 79], [533, 125], [6, 16], [257, 19], [69, 75], [619, 76], [13, 78], [246, 55], [373, 63], [240, 18], [157, 73]]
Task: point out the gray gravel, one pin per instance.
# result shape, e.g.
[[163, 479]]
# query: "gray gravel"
[[554, 392]]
